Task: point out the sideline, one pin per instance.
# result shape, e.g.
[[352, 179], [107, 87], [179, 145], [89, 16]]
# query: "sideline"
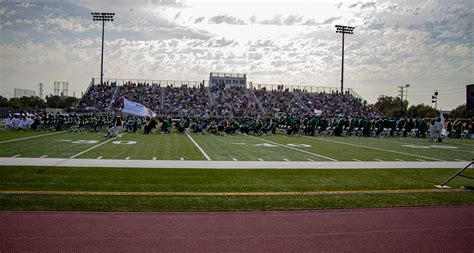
[[98, 145], [378, 149], [297, 149], [31, 137], [190, 194], [200, 164], [199, 147]]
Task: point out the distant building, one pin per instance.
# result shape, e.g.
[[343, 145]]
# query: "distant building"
[[23, 93], [227, 79]]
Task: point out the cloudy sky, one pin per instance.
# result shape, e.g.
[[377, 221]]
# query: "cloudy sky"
[[428, 44]]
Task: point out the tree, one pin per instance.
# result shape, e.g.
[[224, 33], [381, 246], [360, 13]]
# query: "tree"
[[3, 101], [61, 102], [461, 112], [15, 103], [390, 106], [33, 102], [422, 111]]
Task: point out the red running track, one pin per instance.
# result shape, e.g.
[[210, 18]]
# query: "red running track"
[[420, 229]]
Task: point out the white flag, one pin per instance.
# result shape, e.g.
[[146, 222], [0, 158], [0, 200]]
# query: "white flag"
[[443, 132], [136, 109]]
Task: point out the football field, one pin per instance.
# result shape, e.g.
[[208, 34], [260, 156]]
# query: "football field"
[[137, 146], [136, 172]]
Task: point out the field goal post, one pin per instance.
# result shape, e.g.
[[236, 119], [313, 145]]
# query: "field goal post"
[[443, 185]]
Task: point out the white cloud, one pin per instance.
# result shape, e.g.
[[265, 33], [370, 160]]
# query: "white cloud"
[[394, 42]]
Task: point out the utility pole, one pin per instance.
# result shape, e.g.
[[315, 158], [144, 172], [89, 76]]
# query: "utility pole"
[[401, 100], [102, 16], [344, 30]]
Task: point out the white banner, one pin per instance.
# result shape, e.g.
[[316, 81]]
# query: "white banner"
[[136, 109]]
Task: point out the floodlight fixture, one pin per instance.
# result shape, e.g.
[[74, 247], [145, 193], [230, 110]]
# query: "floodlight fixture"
[[102, 17], [344, 30]]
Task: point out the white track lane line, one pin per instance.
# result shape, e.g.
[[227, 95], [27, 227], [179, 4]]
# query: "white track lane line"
[[96, 146], [379, 149], [199, 147], [31, 137], [297, 149]]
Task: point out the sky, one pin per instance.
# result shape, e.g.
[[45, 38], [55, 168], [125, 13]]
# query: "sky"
[[427, 44]]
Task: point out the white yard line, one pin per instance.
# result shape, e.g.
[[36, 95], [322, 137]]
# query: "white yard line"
[[199, 147], [400, 160], [379, 149], [15, 155], [260, 159], [201, 164], [357, 160], [297, 149], [31, 137], [421, 160], [100, 157], [154, 158], [43, 156], [459, 160], [234, 159], [96, 146], [127, 158], [286, 160], [379, 160], [182, 159]]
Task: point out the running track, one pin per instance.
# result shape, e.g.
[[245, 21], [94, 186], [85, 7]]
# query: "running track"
[[420, 229]]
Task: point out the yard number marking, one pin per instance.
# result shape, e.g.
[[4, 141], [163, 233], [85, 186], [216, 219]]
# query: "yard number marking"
[[124, 142]]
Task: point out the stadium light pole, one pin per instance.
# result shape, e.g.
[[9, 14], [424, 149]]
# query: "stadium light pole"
[[344, 30], [102, 16], [406, 91]]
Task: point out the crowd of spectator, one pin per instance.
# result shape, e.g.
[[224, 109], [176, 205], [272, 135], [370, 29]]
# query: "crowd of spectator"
[[98, 97], [225, 102], [143, 93], [236, 102], [332, 104], [185, 101], [279, 101]]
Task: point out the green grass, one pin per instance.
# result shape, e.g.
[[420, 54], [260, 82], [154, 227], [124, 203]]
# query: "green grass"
[[241, 203], [235, 147], [10, 135], [197, 180], [247, 148], [193, 180], [161, 146]]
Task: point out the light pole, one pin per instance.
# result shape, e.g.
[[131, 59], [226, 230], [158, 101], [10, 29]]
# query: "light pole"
[[344, 30], [401, 100], [102, 16], [406, 91], [434, 99]]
